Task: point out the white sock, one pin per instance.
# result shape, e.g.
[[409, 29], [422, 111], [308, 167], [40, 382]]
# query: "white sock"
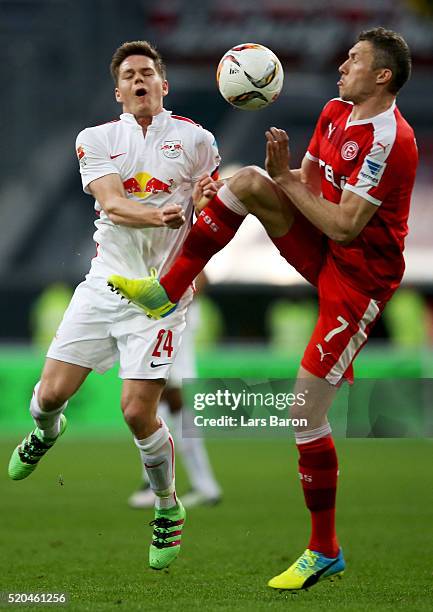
[[48, 422], [229, 200], [194, 455], [157, 454]]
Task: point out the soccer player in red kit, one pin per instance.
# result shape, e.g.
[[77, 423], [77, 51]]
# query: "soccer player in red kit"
[[340, 220]]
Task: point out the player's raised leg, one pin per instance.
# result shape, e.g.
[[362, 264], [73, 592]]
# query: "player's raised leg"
[[58, 383], [249, 191], [140, 400], [318, 471]]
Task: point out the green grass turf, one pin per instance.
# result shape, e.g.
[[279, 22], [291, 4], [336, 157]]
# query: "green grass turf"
[[81, 538]]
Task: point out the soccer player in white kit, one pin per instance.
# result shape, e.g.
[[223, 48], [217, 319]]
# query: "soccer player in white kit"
[[141, 169]]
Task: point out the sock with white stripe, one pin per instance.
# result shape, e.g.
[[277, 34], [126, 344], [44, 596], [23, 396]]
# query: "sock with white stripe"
[[157, 454], [48, 422]]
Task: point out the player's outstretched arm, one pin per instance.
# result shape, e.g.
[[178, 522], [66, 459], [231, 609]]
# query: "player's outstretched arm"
[[109, 192], [342, 222]]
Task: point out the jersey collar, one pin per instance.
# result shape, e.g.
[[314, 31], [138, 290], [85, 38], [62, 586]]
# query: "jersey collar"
[[388, 111], [159, 121]]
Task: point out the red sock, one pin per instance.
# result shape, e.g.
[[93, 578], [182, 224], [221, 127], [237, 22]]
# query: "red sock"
[[318, 470], [214, 228]]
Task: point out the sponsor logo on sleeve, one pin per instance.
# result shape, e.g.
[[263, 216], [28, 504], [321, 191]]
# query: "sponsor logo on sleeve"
[[371, 170]]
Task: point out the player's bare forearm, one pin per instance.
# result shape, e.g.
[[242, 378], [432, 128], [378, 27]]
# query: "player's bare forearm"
[[133, 214], [122, 211]]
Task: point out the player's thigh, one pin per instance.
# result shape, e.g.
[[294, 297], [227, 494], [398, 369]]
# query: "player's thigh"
[[264, 199], [59, 381], [346, 318], [300, 243]]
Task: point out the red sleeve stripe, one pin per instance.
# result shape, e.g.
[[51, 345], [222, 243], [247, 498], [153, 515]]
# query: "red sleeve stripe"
[[180, 118]]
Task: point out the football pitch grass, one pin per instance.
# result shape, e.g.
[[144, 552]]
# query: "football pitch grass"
[[67, 528]]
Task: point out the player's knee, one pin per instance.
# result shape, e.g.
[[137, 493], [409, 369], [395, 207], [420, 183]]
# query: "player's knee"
[[134, 416], [51, 396], [134, 412], [247, 182]]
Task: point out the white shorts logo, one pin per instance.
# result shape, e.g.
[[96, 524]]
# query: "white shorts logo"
[[349, 150]]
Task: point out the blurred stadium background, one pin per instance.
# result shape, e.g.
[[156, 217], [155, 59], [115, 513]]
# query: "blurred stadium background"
[[256, 313]]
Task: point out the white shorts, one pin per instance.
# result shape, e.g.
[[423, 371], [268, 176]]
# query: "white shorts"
[[98, 329]]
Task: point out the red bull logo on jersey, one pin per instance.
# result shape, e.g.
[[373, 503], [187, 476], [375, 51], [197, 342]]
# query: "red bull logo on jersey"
[[172, 148], [143, 185]]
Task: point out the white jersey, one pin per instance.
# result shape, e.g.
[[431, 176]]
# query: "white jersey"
[[156, 169]]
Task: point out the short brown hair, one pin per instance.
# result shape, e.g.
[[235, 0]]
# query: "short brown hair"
[[390, 51], [136, 47]]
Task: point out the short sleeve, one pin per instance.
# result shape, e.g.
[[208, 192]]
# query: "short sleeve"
[[207, 158], [93, 157], [377, 166]]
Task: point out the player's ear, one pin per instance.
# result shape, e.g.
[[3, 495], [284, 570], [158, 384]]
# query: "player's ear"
[[165, 88], [117, 95], [384, 76]]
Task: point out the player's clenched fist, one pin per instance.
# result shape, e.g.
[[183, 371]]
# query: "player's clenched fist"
[[172, 216], [204, 190]]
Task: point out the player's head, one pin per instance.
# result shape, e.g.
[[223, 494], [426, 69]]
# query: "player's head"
[[379, 62], [139, 77]]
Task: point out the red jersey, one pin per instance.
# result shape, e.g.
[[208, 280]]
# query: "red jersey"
[[376, 158]]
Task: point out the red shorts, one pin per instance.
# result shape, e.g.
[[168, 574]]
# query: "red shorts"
[[346, 316]]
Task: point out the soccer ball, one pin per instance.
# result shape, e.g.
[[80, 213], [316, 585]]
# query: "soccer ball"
[[250, 76]]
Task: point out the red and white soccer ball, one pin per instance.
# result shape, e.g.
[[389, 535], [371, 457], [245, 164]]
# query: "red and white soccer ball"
[[250, 76]]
